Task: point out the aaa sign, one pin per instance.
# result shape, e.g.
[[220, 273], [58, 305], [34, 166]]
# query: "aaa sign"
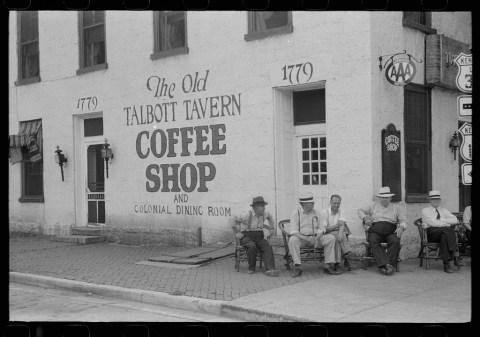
[[400, 72]]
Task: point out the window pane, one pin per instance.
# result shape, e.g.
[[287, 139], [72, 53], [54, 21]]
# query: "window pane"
[[323, 166], [416, 168], [266, 20], [33, 178], [323, 154], [314, 167], [305, 143], [315, 155], [323, 179], [306, 168], [305, 155], [323, 142], [171, 30], [28, 26], [309, 106], [314, 142], [315, 179], [93, 127], [306, 180], [93, 17], [30, 65]]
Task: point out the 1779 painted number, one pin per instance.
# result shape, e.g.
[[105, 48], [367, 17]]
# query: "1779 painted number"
[[89, 103], [302, 69]]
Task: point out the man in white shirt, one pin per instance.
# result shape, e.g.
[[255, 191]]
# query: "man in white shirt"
[[306, 230], [438, 221], [334, 223]]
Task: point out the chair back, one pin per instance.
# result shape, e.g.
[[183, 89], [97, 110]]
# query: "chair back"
[[285, 234], [421, 231]]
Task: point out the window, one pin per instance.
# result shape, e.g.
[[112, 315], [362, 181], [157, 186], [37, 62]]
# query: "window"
[[93, 54], [170, 34], [417, 143], [419, 20], [314, 160], [262, 24], [28, 54], [309, 106]]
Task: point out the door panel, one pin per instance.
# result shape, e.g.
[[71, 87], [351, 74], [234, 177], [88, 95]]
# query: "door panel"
[[95, 184]]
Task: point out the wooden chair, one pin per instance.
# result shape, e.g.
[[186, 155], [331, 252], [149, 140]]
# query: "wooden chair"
[[241, 254], [464, 245], [430, 250], [368, 258], [307, 254]]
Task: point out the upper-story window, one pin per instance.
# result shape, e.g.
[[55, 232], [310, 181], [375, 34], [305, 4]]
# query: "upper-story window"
[[93, 55], [262, 24], [28, 54], [419, 20], [170, 34]]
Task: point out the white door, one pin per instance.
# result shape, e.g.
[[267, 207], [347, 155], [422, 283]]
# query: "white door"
[[311, 162], [95, 182]]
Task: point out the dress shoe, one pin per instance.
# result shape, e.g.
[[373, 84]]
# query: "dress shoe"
[[250, 271], [347, 265], [446, 267], [297, 271], [458, 262], [389, 269], [383, 270], [331, 271], [336, 266], [272, 272]]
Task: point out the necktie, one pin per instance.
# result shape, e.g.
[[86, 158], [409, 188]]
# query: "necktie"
[[438, 214]]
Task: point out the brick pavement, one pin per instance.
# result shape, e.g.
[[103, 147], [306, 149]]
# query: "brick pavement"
[[116, 265]]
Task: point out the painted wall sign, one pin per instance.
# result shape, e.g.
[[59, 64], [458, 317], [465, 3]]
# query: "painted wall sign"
[[464, 105], [467, 173], [440, 55], [391, 161], [464, 78], [466, 147], [298, 73], [169, 143]]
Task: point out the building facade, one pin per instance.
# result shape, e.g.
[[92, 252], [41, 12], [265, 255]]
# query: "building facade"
[[202, 111]]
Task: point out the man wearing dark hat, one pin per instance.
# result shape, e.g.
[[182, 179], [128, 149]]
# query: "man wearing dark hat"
[[307, 230], [438, 221], [385, 222], [252, 231]]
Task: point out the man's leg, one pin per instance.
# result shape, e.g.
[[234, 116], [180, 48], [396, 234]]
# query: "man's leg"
[[251, 252], [393, 248], [328, 242], [377, 250], [267, 253], [294, 245]]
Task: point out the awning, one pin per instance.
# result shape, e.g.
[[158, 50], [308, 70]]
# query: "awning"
[[27, 130]]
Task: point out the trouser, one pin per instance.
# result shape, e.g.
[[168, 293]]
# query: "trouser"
[[254, 240], [327, 241], [447, 239], [341, 246], [384, 231]]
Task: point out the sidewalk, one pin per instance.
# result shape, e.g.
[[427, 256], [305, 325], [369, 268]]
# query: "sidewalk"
[[413, 295]]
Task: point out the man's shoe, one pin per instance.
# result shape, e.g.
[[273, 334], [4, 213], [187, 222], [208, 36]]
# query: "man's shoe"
[[446, 267], [331, 271], [458, 262], [250, 271], [383, 270], [389, 269], [272, 272], [336, 266], [347, 265], [297, 271]]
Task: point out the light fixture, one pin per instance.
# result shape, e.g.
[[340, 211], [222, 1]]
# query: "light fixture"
[[60, 159], [107, 154], [454, 144]]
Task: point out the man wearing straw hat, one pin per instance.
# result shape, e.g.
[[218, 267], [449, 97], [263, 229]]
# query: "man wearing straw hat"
[[251, 229], [307, 230], [438, 221], [385, 222]]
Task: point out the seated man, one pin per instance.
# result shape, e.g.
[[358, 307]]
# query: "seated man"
[[385, 222], [307, 231], [438, 221], [252, 231], [334, 223]]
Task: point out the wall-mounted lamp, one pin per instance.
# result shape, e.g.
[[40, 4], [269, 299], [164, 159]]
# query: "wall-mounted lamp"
[[60, 159], [107, 153], [454, 144]]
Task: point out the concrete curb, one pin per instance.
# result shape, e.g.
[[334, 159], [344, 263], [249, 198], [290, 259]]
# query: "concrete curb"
[[146, 296], [216, 307]]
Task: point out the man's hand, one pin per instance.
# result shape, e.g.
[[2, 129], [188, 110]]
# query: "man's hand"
[[367, 220], [399, 231], [266, 233], [238, 235]]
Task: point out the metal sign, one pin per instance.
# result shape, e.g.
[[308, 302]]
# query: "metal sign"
[[466, 147], [464, 105], [464, 77], [467, 174], [400, 70]]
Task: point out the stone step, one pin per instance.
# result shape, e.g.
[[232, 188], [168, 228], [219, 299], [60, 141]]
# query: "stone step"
[[87, 231], [79, 239]]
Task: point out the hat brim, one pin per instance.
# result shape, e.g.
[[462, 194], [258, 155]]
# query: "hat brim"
[[385, 195], [259, 204], [435, 197]]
